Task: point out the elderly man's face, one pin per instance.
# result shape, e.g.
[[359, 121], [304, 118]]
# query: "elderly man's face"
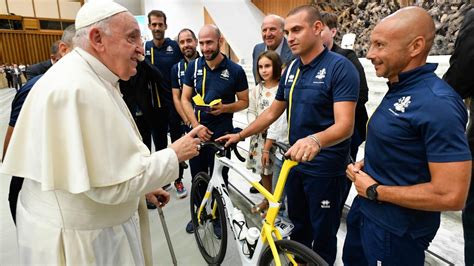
[[388, 53], [272, 32], [123, 46]]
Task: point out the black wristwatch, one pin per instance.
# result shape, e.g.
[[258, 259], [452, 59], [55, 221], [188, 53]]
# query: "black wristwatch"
[[371, 192]]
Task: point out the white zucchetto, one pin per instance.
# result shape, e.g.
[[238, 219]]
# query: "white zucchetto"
[[95, 11]]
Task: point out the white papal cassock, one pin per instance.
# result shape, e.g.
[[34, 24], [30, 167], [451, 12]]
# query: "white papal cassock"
[[85, 168]]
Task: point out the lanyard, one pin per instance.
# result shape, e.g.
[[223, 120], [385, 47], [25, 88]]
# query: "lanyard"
[[152, 56], [180, 83], [203, 88], [291, 99], [158, 101]]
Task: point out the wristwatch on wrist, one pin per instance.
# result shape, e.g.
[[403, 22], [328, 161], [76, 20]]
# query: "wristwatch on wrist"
[[371, 192]]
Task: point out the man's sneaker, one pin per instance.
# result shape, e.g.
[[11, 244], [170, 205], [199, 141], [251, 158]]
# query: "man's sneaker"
[[181, 191], [190, 227], [166, 187], [284, 228], [217, 229], [150, 205]]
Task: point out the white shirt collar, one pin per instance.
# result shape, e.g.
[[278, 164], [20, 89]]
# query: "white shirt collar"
[[279, 48], [98, 67]]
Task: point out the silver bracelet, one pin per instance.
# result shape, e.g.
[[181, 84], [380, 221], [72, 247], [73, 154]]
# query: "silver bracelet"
[[315, 139]]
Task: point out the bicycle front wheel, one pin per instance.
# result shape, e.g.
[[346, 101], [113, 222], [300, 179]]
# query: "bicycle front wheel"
[[210, 229], [299, 252]]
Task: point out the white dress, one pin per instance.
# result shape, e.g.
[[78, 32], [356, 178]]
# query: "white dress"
[[86, 170], [260, 98]]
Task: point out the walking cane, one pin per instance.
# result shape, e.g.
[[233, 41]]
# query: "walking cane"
[[167, 235]]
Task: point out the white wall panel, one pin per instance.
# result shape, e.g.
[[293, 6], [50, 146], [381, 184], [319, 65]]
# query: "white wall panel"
[[69, 9], [21, 7], [46, 9], [3, 7]]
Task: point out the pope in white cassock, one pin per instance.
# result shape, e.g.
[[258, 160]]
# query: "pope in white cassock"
[[85, 167]]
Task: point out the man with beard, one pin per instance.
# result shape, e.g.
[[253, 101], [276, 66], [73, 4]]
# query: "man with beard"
[[187, 43], [163, 53], [212, 76], [273, 37]]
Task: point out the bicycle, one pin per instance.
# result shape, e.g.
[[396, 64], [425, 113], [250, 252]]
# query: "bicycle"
[[211, 209]]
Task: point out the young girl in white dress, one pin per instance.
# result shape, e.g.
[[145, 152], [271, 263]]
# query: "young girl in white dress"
[[260, 98]]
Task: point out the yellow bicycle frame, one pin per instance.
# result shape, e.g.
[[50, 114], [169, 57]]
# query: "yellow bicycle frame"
[[268, 227]]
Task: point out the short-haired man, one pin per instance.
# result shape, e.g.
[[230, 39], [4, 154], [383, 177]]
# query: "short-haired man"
[[273, 37], [329, 32], [187, 43], [64, 46], [164, 53], [43, 66], [213, 76], [319, 89], [84, 163], [417, 160], [463, 82]]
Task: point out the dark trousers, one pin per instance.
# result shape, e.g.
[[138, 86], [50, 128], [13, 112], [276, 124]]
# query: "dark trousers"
[[144, 129], [10, 82], [17, 82], [468, 225], [314, 209], [356, 140], [369, 244], [15, 186], [176, 131], [158, 130], [204, 162]]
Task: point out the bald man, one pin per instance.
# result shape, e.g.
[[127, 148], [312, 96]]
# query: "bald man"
[[417, 161], [273, 36], [213, 76]]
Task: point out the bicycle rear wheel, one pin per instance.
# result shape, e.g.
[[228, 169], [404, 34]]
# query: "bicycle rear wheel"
[[301, 253], [211, 230]]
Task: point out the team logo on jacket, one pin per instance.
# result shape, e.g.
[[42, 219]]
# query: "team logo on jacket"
[[169, 48], [321, 74], [199, 72], [225, 74], [325, 204], [291, 78], [402, 104], [147, 52]]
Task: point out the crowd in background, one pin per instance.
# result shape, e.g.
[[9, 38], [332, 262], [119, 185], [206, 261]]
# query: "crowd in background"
[[13, 75]]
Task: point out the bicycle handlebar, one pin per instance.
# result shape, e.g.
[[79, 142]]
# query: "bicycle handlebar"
[[221, 149]]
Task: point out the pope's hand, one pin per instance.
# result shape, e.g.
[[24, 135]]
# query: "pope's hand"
[[158, 197], [187, 146]]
